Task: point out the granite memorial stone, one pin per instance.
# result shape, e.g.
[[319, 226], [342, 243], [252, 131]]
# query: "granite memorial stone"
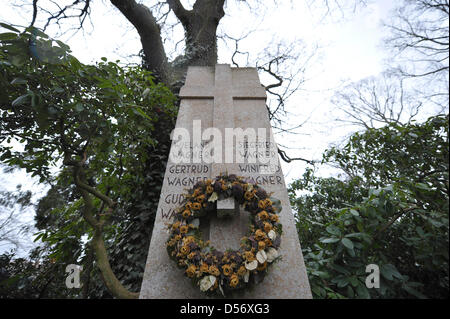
[[214, 101]]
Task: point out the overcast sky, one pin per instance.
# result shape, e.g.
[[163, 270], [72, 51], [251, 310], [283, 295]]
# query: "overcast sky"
[[349, 49]]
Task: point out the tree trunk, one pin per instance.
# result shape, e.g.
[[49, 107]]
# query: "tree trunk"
[[201, 38], [200, 25]]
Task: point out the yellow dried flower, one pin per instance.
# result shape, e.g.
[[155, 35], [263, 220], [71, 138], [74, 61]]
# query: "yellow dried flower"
[[225, 259], [175, 225], [209, 189], [213, 270], [262, 204], [227, 270], [171, 243], [184, 229], [241, 271], [267, 227], [186, 213], [191, 255], [234, 281], [263, 215], [248, 195], [190, 271], [196, 206], [274, 218], [184, 250], [216, 284], [197, 191], [261, 245], [259, 234], [200, 198], [249, 256], [262, 266], [204, 267]]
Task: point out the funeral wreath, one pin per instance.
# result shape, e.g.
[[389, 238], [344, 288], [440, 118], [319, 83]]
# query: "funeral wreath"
[[215, 271]]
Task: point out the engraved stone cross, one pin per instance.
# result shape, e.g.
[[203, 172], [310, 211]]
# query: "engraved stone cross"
[[223, 93]]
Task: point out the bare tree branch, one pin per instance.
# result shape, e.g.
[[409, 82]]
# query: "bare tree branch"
[[420, 30], [182, 14], [377, 101], [288, 159], [145, 23], [35, 10]]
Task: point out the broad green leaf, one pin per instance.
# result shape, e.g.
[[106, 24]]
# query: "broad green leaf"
[[360, 227], [333, 230], [9, 27], [354, 212], [340, 269], [329, 240], [347, 243], [79, 107], [321, 274], [35, 31], [342, 282], [389, 271], [62, 45], [420, 231], [414, 292], [362, 292], [354, 281], [19, 81], [146, 92], [7, 36], [20, 100], [18, 60], [350, 292], [355, 235], [138, 111], [423, 186]]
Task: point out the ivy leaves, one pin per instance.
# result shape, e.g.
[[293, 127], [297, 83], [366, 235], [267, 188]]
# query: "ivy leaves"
[[50, 100], [59, 110]]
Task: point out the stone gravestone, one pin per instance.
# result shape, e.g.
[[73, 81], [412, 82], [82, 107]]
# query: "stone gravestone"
[[212, 100]]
